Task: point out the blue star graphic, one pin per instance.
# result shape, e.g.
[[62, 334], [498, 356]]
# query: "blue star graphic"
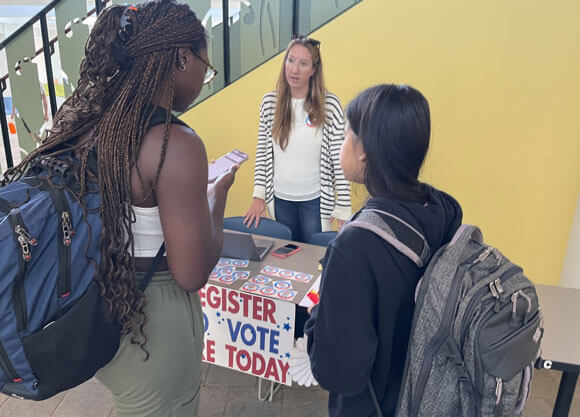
[[287, 326], [218, 314], [287, 354]]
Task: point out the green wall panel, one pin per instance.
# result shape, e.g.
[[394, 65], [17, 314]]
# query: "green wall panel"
[[263, 29], [69, 13], [25, 87], [314, 13]]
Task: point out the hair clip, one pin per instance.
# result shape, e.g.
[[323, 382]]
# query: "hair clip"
[[306, 39], [126, 24]]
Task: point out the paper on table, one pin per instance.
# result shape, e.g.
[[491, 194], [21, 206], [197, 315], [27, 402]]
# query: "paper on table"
[[307, 302]]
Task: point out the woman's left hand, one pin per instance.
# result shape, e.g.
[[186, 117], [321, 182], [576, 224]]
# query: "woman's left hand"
[[339, 223]]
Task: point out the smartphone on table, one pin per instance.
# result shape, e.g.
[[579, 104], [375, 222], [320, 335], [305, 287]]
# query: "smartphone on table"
[[286, 250], [225, 162]]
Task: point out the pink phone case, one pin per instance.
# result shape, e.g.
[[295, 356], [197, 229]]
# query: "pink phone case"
[[284, 251]]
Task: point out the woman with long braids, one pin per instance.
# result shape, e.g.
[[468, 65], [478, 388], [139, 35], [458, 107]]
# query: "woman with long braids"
[[141, 62]]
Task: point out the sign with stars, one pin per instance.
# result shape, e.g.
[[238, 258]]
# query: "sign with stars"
[[248, 332]]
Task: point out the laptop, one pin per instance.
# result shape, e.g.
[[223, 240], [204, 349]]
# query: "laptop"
[[245, 246]]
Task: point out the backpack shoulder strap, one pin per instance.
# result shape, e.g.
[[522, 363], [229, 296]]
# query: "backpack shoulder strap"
[[152, 268], [397, 232]]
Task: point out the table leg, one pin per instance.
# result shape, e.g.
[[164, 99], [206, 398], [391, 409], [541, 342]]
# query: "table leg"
[[273, 389], [565, 394]]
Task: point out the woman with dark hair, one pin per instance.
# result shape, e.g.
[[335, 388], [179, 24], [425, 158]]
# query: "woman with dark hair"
[[297, 177], [358, 332], [141, 62]]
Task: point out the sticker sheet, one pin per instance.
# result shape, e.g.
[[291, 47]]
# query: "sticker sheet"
[[270, 281]]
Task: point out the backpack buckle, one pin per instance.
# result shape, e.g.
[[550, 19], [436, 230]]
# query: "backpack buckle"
[[55, 166], [488, 251]]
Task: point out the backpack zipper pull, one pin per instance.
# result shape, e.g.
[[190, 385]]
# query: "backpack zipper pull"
[[499, 287], [25, 241], [493, 289], [513, 318], [496, 294], [483, 255], [498, 408], [529, 300], [67, 230], [22, 231]]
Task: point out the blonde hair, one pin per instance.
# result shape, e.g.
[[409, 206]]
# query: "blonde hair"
[[315, 99]]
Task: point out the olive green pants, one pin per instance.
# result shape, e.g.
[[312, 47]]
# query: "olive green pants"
[[167, 384]]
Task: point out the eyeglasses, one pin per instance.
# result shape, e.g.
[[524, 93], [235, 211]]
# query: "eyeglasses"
[[211, 71], [306, 39]]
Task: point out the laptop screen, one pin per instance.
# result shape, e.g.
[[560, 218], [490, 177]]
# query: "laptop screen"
[[242, 245]]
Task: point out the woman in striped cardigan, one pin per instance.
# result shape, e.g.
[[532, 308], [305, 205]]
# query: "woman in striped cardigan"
[[297, 175]]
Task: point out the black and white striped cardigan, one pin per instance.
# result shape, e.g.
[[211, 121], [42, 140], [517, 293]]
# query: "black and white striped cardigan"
[[334, 188]]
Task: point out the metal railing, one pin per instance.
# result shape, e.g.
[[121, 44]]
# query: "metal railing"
[[47, 49], [295, 9]]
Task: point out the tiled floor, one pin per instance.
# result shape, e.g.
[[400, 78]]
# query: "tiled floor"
[[227, 393]]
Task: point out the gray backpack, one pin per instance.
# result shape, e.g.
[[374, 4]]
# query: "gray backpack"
[[476, 329]]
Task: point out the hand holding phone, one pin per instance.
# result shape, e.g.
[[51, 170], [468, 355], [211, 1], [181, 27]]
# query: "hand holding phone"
[[286, 250], [225, 162]]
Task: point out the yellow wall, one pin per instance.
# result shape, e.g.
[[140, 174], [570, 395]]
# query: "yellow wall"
[[503, 81]]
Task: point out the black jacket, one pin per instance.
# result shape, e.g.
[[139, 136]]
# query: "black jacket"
[[360, 328]]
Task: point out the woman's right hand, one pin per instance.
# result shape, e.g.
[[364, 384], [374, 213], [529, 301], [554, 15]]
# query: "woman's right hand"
[[225, 180], [255, 212], [217, 190]]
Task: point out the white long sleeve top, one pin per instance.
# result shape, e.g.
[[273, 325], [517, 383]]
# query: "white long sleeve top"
[[334, 188]]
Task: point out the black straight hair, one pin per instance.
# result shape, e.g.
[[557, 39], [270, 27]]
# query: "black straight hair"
[[394, 124]]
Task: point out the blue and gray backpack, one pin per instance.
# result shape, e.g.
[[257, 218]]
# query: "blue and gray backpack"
[[477, 325], [54, 330], [54, 333]]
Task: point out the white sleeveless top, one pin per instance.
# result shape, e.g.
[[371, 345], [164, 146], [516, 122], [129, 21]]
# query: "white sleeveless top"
[[147, 232]]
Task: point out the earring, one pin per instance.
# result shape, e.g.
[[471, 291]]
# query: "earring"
[[181, 62]]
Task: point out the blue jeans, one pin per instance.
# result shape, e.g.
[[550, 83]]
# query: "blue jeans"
[[302, 217]]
